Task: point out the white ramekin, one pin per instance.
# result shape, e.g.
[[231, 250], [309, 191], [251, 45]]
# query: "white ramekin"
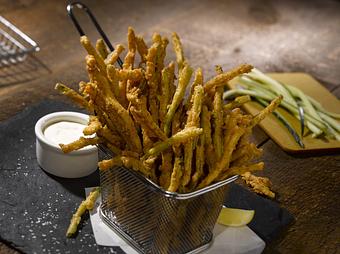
[[52, 159]]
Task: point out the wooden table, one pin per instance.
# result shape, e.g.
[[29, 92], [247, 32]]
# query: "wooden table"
[[282, 36]]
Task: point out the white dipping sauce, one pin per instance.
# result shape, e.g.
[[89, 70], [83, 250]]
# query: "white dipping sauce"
[[64, 132]]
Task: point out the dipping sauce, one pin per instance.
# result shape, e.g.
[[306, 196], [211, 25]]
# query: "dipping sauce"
[[64, 132]]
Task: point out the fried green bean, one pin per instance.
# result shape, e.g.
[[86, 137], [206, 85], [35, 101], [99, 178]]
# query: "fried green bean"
[[179, 138], [183, 82], [222, 79]]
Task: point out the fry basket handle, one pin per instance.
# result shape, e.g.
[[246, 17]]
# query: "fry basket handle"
[[82, 6]]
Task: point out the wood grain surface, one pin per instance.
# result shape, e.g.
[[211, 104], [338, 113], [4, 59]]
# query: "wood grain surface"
[[275, 36]]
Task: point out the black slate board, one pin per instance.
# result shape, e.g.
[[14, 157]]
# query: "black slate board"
[[35, 207], [269, 220]]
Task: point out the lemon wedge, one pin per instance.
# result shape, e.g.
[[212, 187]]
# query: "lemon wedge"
[[235, 217]]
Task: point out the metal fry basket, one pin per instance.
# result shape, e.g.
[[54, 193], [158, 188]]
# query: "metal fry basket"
[[14, 44], [153, 220]]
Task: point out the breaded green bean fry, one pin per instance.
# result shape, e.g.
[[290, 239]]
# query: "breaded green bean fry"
[[183, 82], [142, 48], [192, 121], [92, 51], [113, 56], [101, 48], [74, 96], [225, 160], [178, 48], [176, 174], [179, 138], [237, 102], [266, 111], [222, 79], [198, 80], [87, 204], [93, 126], [78, 144]]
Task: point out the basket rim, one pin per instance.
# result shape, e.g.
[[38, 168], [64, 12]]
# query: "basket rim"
[[180, 196]]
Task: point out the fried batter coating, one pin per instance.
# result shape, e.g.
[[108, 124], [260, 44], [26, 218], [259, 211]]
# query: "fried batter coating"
[[165, 95], [109, 136], [133, 75], [97, 77], [225, 160], [74, 96], [176, 174], [144, 118], [192, 121], [176, 127], [121, 118], [110, 163], [176, 124], [222, 79], [249, 151], [237, 102], [166, 169], [127, 66], [142, 115], [92, 51], [209, 149], [241, 170], [114, 55], [114, 77], [147, 142], [101, 48], [161, 44], [132, 45], [114, 149], [162, 54], [78, 144], [217, 115], [87, 204], [142, 48], [126, 161], [183, 82], [82, 87], [195, 111], [76, 218], [127, 127], [137, 165], [230, 122], [198, 80], [94, 94], [179, 138], [150, 76], [178, 48], [130, 57], [200, 158], [93, 126], [260, 185], [266, 111], [172, 87]]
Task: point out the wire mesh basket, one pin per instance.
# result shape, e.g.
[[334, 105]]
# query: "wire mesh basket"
[[153, 220], [14, 44]]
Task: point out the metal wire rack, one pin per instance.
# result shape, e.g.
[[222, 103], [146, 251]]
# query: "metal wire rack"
[[14, 44], [153, 220]]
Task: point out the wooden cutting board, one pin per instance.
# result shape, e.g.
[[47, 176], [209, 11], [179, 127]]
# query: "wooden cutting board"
[[279, 133]]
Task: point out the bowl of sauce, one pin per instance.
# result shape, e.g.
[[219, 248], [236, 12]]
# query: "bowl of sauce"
[[63, 128]]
